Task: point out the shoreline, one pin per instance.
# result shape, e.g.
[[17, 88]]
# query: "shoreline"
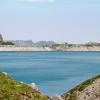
[[18, 48], [84, 91]]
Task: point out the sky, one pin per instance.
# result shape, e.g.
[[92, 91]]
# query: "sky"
[[75, 21]]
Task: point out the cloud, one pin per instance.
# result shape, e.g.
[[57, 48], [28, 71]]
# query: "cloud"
[[38, 1]]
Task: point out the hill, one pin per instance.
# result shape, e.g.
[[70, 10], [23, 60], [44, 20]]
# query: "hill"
[[11, 89], [88, 90]]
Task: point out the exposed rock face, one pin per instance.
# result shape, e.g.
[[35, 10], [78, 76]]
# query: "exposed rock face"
[[56, 98], [88, 90], [92, 92], [13, 90], [34, 87]]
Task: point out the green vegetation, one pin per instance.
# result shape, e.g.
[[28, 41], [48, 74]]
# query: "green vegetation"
[[13, 90], [2, 42], [54, 46], [91, 44], [7, 43], [71, 95]]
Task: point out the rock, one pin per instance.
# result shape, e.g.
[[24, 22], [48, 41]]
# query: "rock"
[[88, 90], [22, 82], [5, 73], [11, 89], [34, 87], [92, 92], [56, 98]]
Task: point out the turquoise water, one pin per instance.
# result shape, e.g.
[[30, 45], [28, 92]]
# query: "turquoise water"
[[53, 72]]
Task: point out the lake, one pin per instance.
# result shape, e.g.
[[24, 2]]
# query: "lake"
[[53, 72]]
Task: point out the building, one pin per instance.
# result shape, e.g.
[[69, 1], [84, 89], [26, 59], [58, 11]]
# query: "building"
[[22, 42]]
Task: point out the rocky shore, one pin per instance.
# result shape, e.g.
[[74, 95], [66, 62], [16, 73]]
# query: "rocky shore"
[[88, 90], [11, 89]]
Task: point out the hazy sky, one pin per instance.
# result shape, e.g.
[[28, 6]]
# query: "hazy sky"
[[59, 20]]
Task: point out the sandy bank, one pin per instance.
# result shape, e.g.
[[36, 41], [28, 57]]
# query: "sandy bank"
[[15, 48], [73, 48]]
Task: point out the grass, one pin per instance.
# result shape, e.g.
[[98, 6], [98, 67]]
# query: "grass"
[[11, 89], [72, 94]]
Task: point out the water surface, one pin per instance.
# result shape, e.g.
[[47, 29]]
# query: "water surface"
[[53, 72]]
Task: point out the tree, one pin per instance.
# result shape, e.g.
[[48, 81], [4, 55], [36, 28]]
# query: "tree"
[[7, 43], [1, 39]]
